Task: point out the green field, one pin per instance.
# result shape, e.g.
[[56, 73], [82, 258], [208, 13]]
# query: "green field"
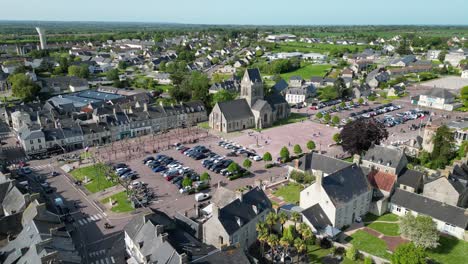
[[122, 205], [386, 217], [289, 192], [368, 243], [96, 175], [450, 251], [388, 229], [308, 71]]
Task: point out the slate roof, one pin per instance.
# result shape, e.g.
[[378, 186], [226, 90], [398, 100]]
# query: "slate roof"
[[29, 135], [382, 180], [235, 110], [344, 185], [388, 156], [243, 210], [317, 217], [316, 161], [280, 86], [411, 178], [254, 75], [226, 256], [259, 104], [438, 210], [439, 93]]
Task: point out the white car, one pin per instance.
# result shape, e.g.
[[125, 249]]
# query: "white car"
[[202, 196], [257, 158]]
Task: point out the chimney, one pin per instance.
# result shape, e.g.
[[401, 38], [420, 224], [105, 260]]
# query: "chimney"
[[114, 110], [318, 180], [239, 195], [197, 211], [215, 210], [145, 107], [296, 164], [357, 159], [164, 237], [159, 230]]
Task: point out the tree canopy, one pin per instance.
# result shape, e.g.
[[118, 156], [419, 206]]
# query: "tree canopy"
[[359, 135], [267, 156], [23, 87], [408, 254], [421, 230], [284, 153], [444, 148]]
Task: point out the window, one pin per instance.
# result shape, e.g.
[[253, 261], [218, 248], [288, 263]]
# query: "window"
[[40, 146], [39, 140], [398, 209], [32, 148], [31, 141]]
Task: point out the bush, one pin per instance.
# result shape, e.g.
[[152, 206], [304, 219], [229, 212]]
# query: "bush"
[[368, 260], [297, 149], [352, 253], [325, 243], [301, 177], [267, 156], [311, 145], [269, 165]]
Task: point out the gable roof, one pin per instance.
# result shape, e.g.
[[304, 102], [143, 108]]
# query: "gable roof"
[[280, 86], [254, 75], [439, 93], [316, 216], [438, 210], [235, 109], [243, 210], [388, 156], [316, 161], [343, 185], [411, 178], [382, 180]]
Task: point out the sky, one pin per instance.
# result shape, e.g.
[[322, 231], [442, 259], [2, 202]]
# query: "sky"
[[251, 12]]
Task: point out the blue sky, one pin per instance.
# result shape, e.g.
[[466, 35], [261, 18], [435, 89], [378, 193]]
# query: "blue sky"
[[273, 12]]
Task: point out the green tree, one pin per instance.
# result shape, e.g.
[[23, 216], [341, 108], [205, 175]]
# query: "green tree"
[[442, 55], [311, 145], [81, 71], [205, 176], [463, 149], [247, 163], [464, 95], [112, 75], [361, 100], [408, 254], [284, 154], [297, 149], [352, 253], [122, 65], [368, 260], [282, 218], [335, 120], [328, 93], [421, 230], [23, 87], [186, 182], [319, 115], [267, 156], [271, 219], [300, 246], [327, 117], [233, 167], [295, 217], [222, 96], [444, 148], [198, 83], [337, 137]]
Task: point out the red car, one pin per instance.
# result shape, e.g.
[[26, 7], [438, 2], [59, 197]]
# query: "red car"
[[183, 150]]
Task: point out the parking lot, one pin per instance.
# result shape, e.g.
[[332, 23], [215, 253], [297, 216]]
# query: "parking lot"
[[168, 197]]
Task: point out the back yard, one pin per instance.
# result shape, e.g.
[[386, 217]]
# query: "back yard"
[[308, 71], [289, 192]]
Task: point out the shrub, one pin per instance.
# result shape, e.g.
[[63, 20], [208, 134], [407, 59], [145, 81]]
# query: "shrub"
[[325, 243], [297, 149], [267, 156], [352, 253], [368, 260], [301, 177], [269, 165], [311, 145]]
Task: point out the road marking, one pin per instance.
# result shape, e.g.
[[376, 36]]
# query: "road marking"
[[93, 218], [102, 261], [112, 258], [107, 261], [81, 222]]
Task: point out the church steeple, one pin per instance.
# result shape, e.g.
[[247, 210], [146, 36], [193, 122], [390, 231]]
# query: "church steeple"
[[251, 86]]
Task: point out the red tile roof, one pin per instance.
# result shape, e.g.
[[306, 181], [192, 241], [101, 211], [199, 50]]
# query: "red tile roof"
[[382, 180]]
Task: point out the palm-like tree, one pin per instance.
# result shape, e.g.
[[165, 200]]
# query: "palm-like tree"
[[282, 218], [305, 231], [300, 246], [262, 235], [273, 241], [295, 216], [271, 220], [284, 242]]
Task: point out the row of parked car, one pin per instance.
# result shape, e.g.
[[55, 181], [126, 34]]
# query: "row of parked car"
[[173, 171], [237, 149], [124, 172], [400, 118], [371, 112]]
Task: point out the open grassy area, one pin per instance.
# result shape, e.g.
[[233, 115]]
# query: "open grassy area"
[[122, 203], [323, 48], [386, 217], [293, 118], [388, 229], [289, 192], [316, 253], [308, 71], [450, 251], [368, 243], [204, 125], [96, 175]]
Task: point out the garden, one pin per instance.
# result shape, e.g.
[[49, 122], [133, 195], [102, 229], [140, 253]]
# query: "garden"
[[95, 178], [289, 192]]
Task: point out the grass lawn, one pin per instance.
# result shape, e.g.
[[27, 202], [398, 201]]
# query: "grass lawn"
[[316, 253], [368, 243], [450, 251], [95, 173], [323, 48], [308, 71], [122, 205], [293, 118], [388, 229], [289, 192], [386, 217], [204, 125]]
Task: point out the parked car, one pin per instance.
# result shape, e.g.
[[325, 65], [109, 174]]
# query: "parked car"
[[145, 160], [256, 158], [202, 196]]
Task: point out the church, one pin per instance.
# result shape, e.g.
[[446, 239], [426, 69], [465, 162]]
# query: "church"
[[252, 110]]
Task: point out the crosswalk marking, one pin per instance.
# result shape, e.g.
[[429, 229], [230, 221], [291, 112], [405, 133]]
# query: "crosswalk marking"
[[107, 261], [113, 260], [102, 261], [93, 218], [90, 219], [81, 222]]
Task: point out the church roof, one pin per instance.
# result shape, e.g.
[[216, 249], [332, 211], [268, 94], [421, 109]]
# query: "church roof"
[[235, 110], [254, 75]]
